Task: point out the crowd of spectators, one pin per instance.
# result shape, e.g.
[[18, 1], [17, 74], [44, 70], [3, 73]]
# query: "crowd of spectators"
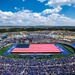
[[38, 38], [64, 33], [4, 43], [57, 66], [60, 66], [38, 35]]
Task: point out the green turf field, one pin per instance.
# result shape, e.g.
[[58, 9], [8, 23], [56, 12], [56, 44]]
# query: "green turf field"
[[2, 50], [67, 48]]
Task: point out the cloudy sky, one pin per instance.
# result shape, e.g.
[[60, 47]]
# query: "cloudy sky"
[[37, 12]]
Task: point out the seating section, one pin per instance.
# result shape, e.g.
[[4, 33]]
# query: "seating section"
[[57, 66], [61, 66]]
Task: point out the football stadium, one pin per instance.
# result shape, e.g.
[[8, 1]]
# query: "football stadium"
[[27, 53], [36, 46], [37, 37]]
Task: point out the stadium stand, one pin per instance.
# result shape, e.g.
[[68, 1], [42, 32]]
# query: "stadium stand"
[[61, 66], [57, 66], [73, 45]]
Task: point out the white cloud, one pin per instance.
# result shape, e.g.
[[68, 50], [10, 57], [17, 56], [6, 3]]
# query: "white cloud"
[[16, 8], [49, 11], [41, 0], [55, 3], [26, 17], [61, 20], [23, 0]]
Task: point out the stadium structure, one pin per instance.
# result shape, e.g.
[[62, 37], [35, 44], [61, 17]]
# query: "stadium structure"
[[24, 46], [39, 54]]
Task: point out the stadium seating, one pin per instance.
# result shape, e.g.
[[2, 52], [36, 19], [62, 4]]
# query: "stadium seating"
[[61, 66], [57, 66]]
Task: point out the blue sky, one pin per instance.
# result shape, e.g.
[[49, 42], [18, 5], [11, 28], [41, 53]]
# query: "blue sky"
[[34, 5], [37, 12]]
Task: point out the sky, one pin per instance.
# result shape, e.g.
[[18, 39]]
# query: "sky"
[[37, 12]]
